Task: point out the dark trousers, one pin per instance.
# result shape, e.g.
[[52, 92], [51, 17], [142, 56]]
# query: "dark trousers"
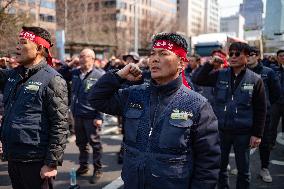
[[277, 112], [87, 134], [25, 175], [264, 147], [241, 147]]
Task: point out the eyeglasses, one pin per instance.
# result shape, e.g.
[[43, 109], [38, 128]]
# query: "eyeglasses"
[[237, 54]]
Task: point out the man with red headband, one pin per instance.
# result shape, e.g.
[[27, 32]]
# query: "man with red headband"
[[34, 126], [171, 136]]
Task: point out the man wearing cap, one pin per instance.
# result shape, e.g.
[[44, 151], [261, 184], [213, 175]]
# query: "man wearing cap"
[[272, 92], [132, 57], [34, 127], [240, 106], [171, 136]]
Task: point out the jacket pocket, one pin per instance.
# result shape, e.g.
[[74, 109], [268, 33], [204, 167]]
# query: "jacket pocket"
[[221, 93], [175, 134], [131, 122], [177, 167], [170, 173], [29, 98], [24, 133]]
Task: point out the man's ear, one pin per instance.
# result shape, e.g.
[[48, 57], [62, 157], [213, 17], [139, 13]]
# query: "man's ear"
[[181, 65], [41, 50]]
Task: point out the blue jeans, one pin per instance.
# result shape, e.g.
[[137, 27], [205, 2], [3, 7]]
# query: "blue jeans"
[[241, 147]]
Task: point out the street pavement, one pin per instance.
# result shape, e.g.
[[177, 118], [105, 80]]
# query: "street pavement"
[[110, 180]]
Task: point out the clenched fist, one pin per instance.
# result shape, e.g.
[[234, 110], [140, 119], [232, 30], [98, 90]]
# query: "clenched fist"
[[130, 72]]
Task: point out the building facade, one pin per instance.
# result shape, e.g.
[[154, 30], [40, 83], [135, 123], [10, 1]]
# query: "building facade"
[[111, 23], [40, 12], [233, 25], [198, 17], [29, 13], [212, 16], [252, 11], [274, 25], [274, 19], [190, 16]]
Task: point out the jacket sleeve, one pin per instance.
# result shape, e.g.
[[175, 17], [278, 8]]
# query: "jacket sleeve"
[[65, 71], [106, 95], [205, 76], [3, 78], [56, 107], [259, 109], [206, 150], [274, 87]]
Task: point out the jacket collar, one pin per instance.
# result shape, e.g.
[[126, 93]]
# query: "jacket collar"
[[168, 88], [27, 72]]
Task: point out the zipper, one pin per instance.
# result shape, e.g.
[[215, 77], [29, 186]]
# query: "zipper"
[[154, 120], [152, 124]]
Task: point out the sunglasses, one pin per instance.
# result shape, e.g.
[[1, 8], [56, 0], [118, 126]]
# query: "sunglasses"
[[253, 54], [237, 54]]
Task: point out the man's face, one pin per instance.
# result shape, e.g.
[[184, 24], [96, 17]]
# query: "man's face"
[[164, 65], [193, 63], [280, 58], [253, 58], [26, 51], [86, 60], [237, 59], [129, 59]]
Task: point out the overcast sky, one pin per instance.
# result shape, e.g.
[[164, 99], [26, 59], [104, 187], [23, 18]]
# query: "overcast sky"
[[230, 7]]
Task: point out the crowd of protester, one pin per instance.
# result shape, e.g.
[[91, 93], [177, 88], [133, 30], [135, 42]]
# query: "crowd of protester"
[[239, 85]]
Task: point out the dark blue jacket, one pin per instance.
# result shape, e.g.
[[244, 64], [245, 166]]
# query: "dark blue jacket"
[[80, 89], [35, 125], [240, 113], [207, 92], [271, 84], [234, 109], [171, 134], [280, 72]]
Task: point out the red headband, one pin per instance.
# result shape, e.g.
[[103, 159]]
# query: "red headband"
[[224, 58], [165, 44], [38, 40], [168, 45]]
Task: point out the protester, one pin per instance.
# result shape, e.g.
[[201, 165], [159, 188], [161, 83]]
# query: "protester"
[[171, 138], [240, 106], [34, 127], [88, 121], [132, 57], [272, 92], [277, 111]]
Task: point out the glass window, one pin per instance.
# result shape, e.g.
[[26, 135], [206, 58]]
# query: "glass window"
[[97, 6], [47, 4]]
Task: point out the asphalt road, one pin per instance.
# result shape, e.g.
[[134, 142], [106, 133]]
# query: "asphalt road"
[[111, 145]]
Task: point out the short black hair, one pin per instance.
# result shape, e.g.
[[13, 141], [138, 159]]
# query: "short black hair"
[[241, 47], [219, 51], [279, 51], [173, 37], [39, 32], [255, 50], [196, 56]]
